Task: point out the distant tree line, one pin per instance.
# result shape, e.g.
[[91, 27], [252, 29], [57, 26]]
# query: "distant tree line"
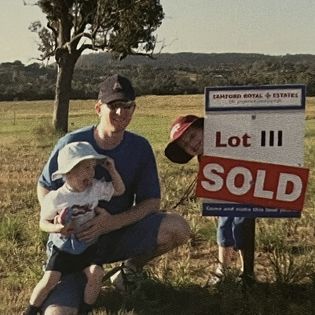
[[168, 74]]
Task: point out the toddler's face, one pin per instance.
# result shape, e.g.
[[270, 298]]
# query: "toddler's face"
[[81, 176], [192, 141]]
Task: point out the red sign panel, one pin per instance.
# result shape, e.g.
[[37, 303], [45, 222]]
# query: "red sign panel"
[[248, 182]]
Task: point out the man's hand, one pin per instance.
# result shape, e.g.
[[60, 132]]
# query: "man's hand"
[[102, 223]]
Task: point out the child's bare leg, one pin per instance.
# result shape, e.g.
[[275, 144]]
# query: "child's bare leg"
[[44, 287], [41, 291], [94, 274], [225, 256]]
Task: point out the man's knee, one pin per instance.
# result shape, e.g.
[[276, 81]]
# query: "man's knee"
[[60, 310], [94, 273], [174, 230]]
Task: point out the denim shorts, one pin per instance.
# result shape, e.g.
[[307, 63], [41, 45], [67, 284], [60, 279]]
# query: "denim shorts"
[[230, 232], [131, 241]]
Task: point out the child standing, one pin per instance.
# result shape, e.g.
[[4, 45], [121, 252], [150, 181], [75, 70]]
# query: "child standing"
[[186, 141], [65, 211]]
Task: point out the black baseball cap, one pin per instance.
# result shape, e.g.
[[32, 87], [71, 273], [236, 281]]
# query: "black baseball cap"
[[116, 88]]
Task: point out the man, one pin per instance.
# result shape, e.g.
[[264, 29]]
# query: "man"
[[130, 227]]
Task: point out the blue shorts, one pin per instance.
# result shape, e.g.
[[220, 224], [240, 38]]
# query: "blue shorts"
[[131, 241], [230, 232]]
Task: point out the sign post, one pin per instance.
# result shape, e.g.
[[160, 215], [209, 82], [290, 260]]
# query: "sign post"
[[253, 155]]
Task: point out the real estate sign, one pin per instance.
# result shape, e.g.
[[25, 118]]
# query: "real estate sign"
[[253, 151]]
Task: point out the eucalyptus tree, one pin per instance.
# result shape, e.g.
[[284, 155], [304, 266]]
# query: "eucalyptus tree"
[[123, 27]]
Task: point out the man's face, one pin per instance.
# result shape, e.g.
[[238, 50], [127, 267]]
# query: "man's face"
[[116, 116]]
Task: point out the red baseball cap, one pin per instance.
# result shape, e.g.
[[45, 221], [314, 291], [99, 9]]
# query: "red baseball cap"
[[173, 151]]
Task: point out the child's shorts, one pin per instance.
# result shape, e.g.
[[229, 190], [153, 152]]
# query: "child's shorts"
[[68, 263], [230, 232]]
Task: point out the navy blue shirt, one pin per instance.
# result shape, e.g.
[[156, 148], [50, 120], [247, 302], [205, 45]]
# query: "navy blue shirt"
[[134, 160]]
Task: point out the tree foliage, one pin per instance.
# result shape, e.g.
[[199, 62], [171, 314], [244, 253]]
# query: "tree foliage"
[[166, 74], [123, 27]]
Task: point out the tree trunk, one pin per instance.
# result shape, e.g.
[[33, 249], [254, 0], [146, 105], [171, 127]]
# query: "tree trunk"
[[63, 91]]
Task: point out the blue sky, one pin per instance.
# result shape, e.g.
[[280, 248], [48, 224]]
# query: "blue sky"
[[275, 27]]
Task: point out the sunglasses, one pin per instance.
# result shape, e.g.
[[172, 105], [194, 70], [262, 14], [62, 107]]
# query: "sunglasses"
[[122, 105]]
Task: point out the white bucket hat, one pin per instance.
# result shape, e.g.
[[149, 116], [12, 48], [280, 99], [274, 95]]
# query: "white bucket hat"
[[72, 154]]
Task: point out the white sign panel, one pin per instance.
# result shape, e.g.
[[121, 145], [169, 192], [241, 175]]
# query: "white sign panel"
[[255, 123], [272, 136]]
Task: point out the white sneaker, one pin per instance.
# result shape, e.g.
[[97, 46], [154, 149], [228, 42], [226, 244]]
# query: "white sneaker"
[[219, 272], [218, 275]]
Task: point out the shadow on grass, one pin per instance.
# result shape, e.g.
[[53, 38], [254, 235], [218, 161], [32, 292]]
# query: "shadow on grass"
[[153, 297]]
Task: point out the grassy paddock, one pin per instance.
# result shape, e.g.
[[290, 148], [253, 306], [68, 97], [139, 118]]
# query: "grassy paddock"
[[177, 283]]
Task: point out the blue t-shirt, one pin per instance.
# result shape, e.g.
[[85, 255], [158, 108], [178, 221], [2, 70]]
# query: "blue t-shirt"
[[134, 160]]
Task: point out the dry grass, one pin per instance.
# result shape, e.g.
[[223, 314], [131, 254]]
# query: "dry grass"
[[178, 281]]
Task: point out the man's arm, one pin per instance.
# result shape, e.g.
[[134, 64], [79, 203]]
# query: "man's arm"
[[136, 213], [41, 193], [104, 222]]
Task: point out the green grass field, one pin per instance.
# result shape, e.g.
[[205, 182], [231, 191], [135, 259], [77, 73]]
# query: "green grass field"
[[177, 283]]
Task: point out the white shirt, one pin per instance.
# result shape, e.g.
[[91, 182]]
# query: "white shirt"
[[83, 202], [56, 200]]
